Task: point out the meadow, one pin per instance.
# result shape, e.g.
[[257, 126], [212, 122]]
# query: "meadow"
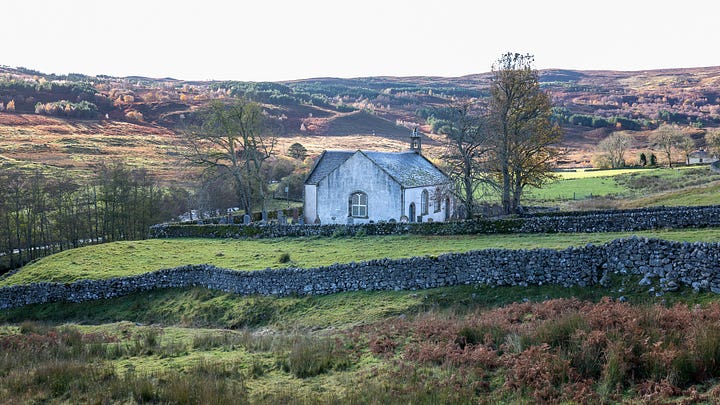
[[630, 188], [124, 258], [451, 345]]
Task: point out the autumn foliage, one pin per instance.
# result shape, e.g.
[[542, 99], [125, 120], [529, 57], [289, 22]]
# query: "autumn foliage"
[[562, 350]]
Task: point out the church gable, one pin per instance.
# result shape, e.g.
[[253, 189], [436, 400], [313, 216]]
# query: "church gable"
[[357, 188]]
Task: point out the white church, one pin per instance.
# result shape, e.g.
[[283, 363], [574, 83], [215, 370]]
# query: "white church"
[[367, 186]]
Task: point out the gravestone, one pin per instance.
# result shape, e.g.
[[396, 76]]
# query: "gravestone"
[[264, 217], [281, 218], [295, 215], [246, 219]]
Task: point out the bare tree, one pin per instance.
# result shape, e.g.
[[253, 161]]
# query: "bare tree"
[[521, 134], [466, 149], [615, 146], [686, 145], [667, 138], [712, 140], [234, 139]]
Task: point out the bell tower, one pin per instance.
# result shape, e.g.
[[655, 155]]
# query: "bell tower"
[[415, 141]]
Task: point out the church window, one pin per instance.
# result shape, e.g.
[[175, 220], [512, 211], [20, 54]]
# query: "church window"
[[424, 199], [358, 205]]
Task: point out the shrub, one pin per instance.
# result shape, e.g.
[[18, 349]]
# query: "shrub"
[[706, 349], [538, 372], [284, 257]]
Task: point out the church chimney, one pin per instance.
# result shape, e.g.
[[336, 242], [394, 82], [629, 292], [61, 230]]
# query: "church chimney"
[[415, 142]]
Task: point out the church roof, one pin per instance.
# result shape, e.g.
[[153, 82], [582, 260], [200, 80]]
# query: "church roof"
[[410, 169], [328, 161]]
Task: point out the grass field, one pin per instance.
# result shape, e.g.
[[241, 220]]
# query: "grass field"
[[136, 257], [632, 187]]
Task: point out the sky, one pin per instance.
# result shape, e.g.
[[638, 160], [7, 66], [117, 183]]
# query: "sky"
[[275, 40]]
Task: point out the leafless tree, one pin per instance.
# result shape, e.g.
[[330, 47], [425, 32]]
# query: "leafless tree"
[[234, 139]]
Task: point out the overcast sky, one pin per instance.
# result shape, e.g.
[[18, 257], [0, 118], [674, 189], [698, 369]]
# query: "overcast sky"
[[285, 39]]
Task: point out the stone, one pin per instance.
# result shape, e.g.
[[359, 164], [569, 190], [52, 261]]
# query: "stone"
[[671, 286]]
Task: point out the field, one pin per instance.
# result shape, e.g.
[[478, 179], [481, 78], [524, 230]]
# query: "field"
[[78, 147], [465, 344], [630, 188], [137, 257], [450, 345]]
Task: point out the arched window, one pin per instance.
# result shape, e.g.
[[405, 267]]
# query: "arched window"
[[424, 199], [358, 205], [438, 200]]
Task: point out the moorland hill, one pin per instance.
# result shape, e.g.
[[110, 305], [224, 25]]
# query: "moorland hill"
[[72, 121]]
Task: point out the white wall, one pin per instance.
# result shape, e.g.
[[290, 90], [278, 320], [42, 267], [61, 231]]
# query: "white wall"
[[310, 203], [414, 195], [358, 173]]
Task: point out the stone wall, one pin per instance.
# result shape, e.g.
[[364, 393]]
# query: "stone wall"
[[584, 221], [666, 264]]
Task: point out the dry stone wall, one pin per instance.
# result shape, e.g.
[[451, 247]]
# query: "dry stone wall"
[[593, 221], [669, 265]]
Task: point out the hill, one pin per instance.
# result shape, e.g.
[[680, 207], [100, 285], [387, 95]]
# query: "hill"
[[323, 113]]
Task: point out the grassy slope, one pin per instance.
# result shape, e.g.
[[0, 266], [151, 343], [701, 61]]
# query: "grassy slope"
[[256, 356], [137, 257], [708, 194], [687, 185]]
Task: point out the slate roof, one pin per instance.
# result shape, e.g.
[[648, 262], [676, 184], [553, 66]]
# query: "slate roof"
[[410, 169], [701, 154], [328, 161]]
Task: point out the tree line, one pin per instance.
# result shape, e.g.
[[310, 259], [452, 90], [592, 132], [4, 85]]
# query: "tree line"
[[42, 214]]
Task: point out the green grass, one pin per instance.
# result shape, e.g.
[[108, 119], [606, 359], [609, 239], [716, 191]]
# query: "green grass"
[[202, 308], [164, 346], [585, 174], [692, 196], [119, 259], [577, 188], [632, 187]]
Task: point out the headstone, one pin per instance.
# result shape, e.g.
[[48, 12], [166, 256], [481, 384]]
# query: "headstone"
[[281, 218], [404, 219], [264, 217], [246, 219], [295, 215], [301, 221]]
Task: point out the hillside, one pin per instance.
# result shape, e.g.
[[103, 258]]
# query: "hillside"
[[73, 121]]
